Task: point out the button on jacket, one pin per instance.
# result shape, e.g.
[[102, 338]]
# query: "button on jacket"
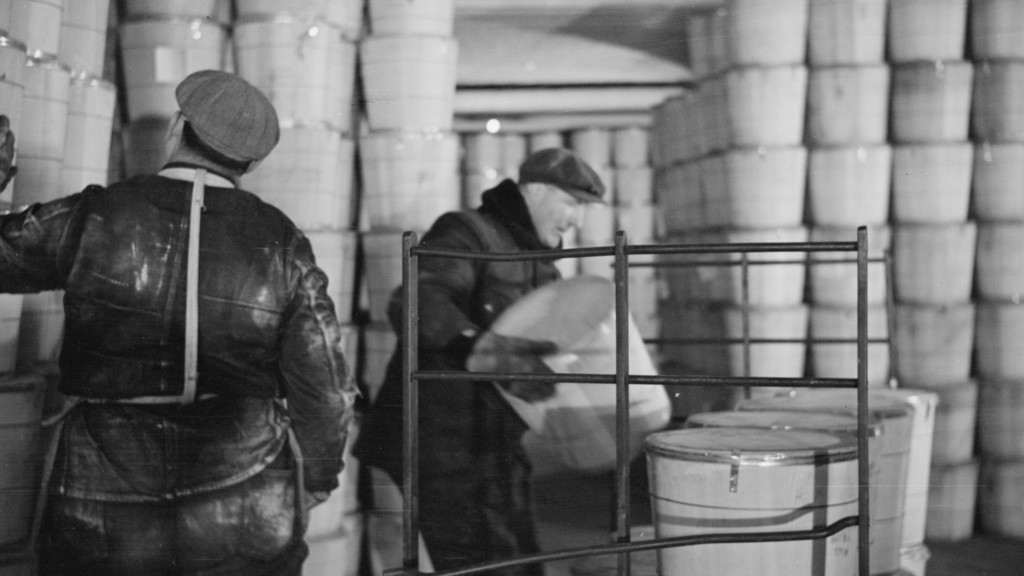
[[269, 343]]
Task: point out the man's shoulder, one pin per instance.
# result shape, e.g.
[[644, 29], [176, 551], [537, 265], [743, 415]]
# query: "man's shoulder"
[[468, 225]]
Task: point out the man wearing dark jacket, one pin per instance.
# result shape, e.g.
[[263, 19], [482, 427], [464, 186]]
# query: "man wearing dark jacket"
[[209, 406], [474, 474]]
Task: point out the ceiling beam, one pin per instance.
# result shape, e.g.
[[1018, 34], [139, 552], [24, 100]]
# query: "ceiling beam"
[[551, 122], [546, 100], [470, 6]]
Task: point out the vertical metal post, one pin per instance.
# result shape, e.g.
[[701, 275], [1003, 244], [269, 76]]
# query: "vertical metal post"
[[863, 473], [410, 416], [745, 298], [890, 304], [622, 397]]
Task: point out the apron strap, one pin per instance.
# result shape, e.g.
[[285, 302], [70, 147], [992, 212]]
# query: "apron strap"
[[188, 394], [301, 514], [51, 428]]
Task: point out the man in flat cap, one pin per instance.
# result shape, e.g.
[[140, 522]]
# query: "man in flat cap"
[[208, 396], [473, 473]]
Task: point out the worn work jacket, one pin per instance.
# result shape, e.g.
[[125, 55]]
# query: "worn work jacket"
[[456, 296], [270, 354]]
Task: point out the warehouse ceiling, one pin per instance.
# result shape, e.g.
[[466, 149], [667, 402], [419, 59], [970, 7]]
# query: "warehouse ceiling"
[[552, 58]]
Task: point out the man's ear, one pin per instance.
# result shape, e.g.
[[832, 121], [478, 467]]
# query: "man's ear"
[[173, 134]]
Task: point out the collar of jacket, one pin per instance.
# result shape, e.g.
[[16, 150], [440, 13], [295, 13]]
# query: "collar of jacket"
[[188, 174], [505, 202]]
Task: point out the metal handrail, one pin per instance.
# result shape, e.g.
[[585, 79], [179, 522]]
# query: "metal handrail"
[[621, 252]]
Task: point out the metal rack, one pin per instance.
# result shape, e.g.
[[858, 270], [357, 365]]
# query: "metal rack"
[[621, 252]]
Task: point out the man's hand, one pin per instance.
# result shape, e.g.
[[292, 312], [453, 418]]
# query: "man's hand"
[[312, 499], [517, 355], [7, 168]]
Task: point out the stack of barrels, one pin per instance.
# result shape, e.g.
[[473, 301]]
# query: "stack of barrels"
[[160, 44], [487, 159], [302, 56], [736, 173], [848, 179], [409, 159], [637, 215], [997, 47], [933, 240], [51, 62], [407, 150], [41, 134], [594, 146]]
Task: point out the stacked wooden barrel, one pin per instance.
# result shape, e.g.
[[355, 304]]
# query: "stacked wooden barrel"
[[734, 169], [160, 44], [848, 178], [51, 61], [302, 55], [637, 215], [594, 146], [997, 128], [409, 159], [933, 239], [408, 152], [487, 159]]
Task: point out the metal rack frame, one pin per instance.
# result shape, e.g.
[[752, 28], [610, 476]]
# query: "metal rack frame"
[[622, 546]]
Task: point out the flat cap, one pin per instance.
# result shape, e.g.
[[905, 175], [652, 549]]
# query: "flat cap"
[[563, 168], [229, 115]]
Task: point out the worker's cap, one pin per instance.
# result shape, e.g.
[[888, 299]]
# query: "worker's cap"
[[229, 115], [564, 169]]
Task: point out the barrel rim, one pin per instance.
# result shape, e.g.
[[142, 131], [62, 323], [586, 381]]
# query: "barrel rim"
[[7, 40], [874, 427], [82, 77], [904, 410], [321, 125], [845, 450], [440, 135], [40, 59], [286, 17], [940, 64], [164, 18]]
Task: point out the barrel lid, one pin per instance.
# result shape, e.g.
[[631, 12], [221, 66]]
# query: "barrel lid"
[[840, 400], [781, 420], [753, 446]]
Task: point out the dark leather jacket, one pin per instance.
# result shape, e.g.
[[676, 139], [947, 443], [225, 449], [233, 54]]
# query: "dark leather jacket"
[[456, 295], [267, 336]]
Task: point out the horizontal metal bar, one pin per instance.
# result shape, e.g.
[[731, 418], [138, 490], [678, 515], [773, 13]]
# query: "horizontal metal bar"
[[762, 262], [488, 377], [639, 249], [742, 247], [708, 341], [645, 545]]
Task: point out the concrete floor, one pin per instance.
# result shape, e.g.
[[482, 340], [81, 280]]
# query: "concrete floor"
[[575, 510]]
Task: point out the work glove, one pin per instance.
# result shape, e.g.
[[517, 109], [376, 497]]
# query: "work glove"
[[7, 169], [510, 354]]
